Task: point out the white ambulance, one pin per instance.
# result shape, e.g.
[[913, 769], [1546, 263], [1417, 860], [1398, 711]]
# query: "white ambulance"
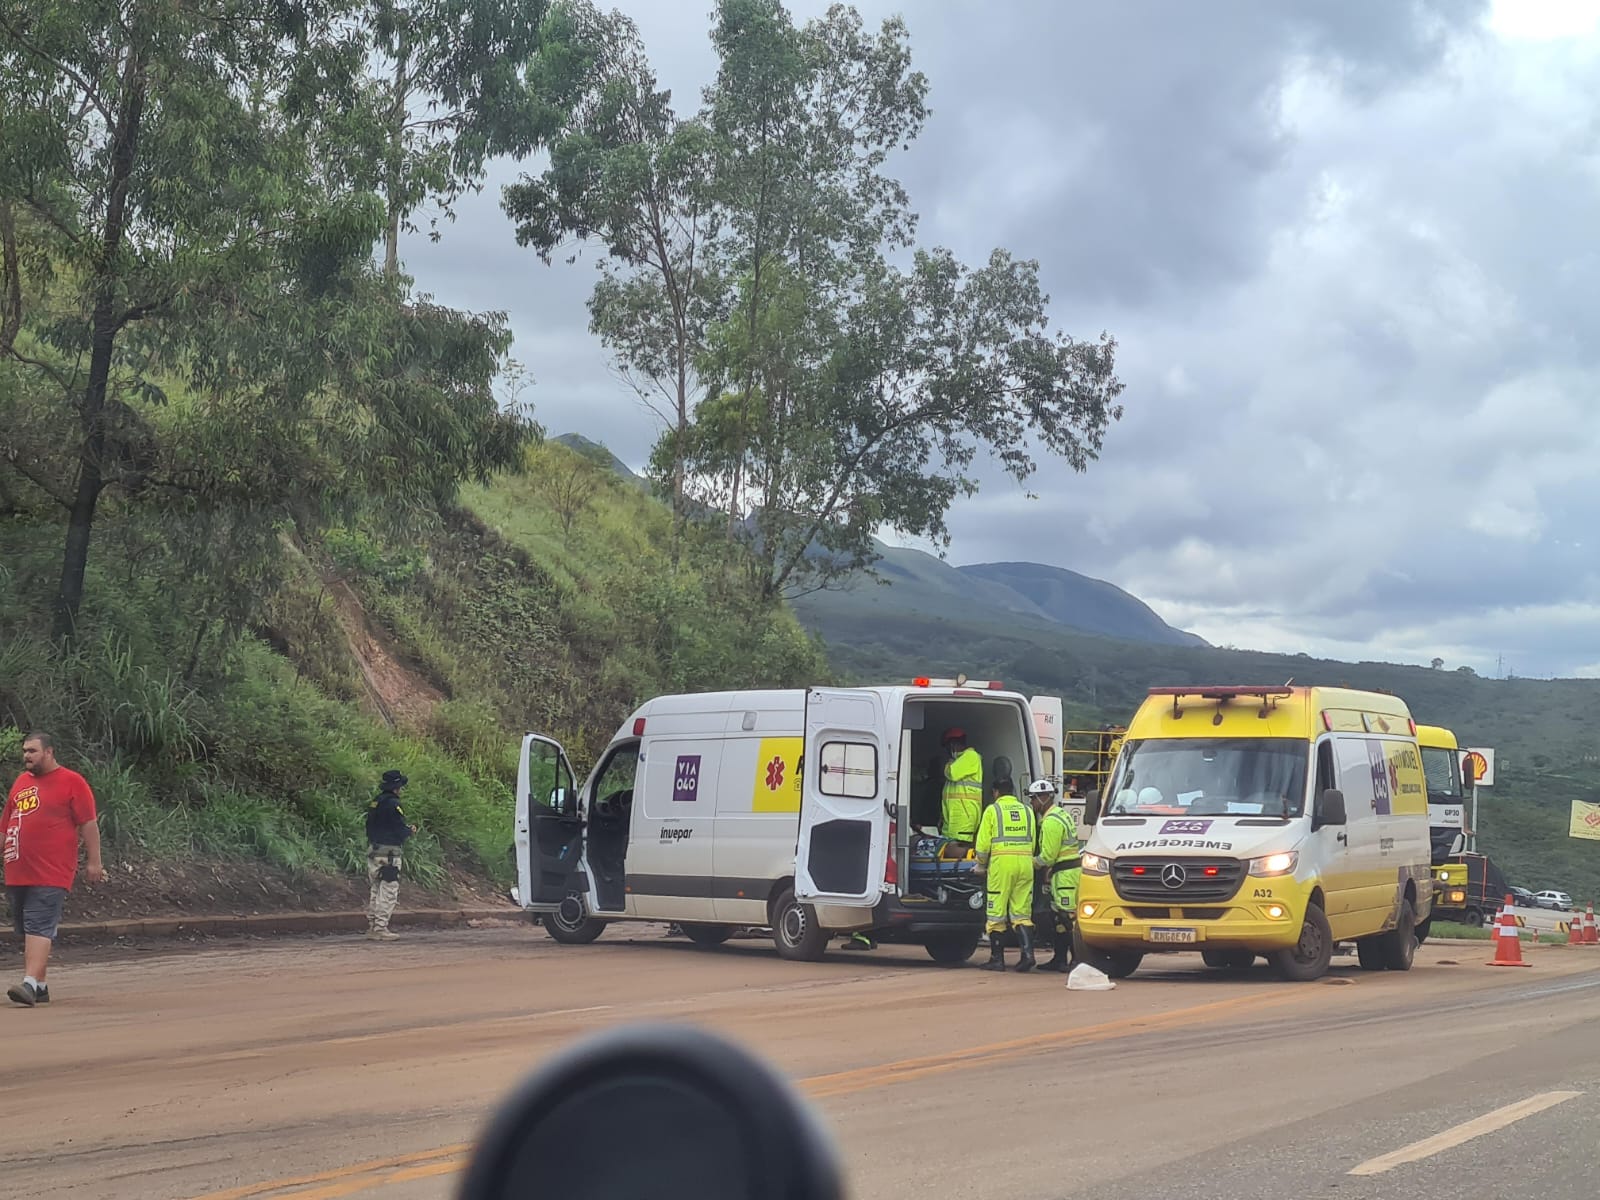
[[795, 810]]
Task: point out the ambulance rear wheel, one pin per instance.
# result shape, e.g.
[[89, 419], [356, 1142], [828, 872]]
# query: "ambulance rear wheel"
[[1122, 963], [1370, 954], [1227, 960], [707, 935], [1400, 943], [571, 924], [953, 949], [795, 929], [1117, 964]]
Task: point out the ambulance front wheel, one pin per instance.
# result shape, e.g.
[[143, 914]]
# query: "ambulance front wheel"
[[795, 929], [571, 924], [1308, 958]]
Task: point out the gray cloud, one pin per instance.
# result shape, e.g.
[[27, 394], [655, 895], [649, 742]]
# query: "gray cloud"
[[1346, 250]]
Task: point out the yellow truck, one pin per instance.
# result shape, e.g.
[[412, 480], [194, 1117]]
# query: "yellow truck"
[[1275, 821]]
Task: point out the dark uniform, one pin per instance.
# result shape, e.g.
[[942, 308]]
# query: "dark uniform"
[[387, 833]]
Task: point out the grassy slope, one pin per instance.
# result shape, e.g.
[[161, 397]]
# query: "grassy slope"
[[265, 755]]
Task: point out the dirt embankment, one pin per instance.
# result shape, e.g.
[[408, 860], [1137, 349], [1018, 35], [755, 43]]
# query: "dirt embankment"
[[246, 888], [243, 888]]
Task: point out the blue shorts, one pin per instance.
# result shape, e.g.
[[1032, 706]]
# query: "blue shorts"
[[36, 911]]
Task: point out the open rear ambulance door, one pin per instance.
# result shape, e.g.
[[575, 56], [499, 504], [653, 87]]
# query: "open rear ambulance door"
[[1047, 724], [845, 799], [549, 829]]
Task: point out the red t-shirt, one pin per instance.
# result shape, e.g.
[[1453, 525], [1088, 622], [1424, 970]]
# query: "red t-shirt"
[[39, 842]]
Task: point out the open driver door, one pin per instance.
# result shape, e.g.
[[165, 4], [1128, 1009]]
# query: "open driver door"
[[549, 829]]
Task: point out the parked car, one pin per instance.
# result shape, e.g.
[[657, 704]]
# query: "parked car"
[[1523, 898], [1553, 899]]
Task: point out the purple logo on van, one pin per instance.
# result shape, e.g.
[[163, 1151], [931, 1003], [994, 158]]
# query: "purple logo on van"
[[1185, 826], [686, 778]]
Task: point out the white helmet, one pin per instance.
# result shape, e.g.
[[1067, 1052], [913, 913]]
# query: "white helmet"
[[1041, 787]]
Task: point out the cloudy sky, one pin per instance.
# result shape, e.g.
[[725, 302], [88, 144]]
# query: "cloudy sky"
[[1349, 250]]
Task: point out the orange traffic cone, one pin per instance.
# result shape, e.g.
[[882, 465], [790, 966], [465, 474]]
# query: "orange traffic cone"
[[1591, 936], [1507, 942], [1575, 930]]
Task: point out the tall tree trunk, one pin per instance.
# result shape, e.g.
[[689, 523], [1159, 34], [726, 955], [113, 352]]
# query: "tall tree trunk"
[[393, 185], [105, 324], [10, 279]]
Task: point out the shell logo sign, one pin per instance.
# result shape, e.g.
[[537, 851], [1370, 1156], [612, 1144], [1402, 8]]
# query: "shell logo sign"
[[1479, 768]]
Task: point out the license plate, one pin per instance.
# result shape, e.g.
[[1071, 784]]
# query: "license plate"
[[1172, 935]]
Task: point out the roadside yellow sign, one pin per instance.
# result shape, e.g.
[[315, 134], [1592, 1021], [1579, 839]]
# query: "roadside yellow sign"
[[1585, 821]]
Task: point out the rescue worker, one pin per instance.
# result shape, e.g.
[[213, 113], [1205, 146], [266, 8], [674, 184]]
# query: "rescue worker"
[[1059, 857], [387, 833], [962, 802], [1006, 834]]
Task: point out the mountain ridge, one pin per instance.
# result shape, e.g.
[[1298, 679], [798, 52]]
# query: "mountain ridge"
[[912, 582]]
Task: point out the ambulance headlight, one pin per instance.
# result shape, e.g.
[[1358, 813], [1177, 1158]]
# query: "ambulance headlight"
[[1274, 864], [1095, 864]]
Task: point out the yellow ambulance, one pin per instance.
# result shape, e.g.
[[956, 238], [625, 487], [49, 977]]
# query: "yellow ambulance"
[[1275, 821]]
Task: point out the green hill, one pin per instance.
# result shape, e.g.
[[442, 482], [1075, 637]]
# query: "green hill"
[[1039, 598]]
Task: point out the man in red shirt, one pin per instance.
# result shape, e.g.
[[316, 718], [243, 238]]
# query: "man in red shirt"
[[48, 811]]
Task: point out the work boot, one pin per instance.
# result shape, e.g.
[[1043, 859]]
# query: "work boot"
[[1025, 937], [382, 935], [1058, 957], [997, 955]]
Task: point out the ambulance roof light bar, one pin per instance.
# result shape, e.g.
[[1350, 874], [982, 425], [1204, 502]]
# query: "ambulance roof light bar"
[[925, 681], [1267, 695]]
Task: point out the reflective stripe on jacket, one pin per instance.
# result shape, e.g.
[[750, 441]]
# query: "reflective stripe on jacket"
[[963, 795], [1008, 829], [1058, 839]]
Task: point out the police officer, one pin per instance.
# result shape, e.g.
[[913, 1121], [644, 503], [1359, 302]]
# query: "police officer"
[[1059, 857], [387, 832], [1005, 850]]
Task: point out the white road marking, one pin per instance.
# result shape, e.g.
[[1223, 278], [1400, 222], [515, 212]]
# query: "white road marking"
[[1465, 1132]]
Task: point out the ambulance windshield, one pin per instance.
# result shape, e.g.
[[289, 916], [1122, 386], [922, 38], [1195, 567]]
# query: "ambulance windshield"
[[1213, 777]]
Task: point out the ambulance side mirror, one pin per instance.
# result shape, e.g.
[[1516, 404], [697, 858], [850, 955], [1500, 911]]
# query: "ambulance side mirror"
[[1329, 809], [1091, 806], [703, 1120]]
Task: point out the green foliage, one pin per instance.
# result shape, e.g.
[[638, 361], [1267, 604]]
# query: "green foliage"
[[627, 171], [568, 633], [193, 326], [815, 393], [451, 84]]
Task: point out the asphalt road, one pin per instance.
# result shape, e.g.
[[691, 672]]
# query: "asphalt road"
[[321, 1068]]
